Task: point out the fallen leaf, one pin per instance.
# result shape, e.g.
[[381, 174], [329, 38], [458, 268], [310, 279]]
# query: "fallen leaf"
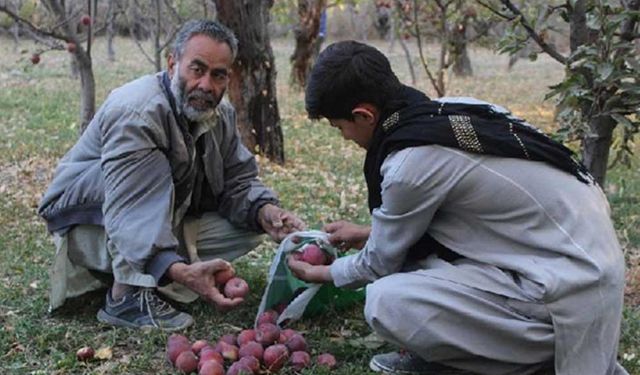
[[104, 353]]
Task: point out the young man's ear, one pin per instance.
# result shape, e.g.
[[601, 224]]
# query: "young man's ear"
[[366, 112]]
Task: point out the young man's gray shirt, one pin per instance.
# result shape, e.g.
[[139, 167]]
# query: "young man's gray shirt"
[[123, 171]]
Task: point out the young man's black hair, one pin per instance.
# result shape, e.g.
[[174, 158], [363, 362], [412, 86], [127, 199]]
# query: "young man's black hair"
[[345, 75]]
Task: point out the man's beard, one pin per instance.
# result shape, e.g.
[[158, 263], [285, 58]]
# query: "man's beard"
[[183, 99]]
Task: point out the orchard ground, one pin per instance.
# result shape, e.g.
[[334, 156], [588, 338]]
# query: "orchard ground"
[[321, 181]]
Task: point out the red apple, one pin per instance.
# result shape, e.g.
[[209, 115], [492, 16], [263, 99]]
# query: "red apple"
[[85, 20], [175, 349], [71, 47], [268, 316], [252, 362], [300, 360], [35, 59], [238, 368], [251, 349], [282, 338], [326, 360], [229, 339], [210, 368], [207, 355], [176, 337], [225, 275], [314, 255], [236, 288], [275, 356], [245, 336], [288, 332], [228, 351], [296, 343], [85, 353], [197, 346], [267, 334], [187, 362]]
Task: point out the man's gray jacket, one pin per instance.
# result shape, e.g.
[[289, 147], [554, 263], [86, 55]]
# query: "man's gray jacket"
[[131, 171]]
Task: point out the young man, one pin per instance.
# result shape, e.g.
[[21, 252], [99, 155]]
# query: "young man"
[[158, 181], [490, 249]]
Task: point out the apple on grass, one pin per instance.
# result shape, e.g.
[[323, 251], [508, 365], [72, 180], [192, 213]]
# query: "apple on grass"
[[326, 360], [210, 368], [85, 353], [187, 362], [275, 356], [299, 360], [267, 334]]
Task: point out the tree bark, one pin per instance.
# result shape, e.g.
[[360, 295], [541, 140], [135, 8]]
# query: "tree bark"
[[252, 88], [157, 51], [459, 52], [597, 140], [111, 19], [306, 34], [84, 64], [595, 146]]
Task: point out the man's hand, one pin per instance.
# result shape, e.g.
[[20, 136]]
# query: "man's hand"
[[307, 272], [345, 235], [278, 223], [200, 278]]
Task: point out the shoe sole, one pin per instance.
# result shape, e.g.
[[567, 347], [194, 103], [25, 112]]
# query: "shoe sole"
[[376, 367], [104, 317]]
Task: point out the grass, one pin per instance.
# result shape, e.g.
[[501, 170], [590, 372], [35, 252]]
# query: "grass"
[[321, 181]]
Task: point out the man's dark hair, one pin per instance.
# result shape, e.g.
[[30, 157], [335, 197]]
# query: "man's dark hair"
[[346, 74], [212, 29]]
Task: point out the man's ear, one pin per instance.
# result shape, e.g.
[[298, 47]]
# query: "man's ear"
[[367, 112], [171, 63]]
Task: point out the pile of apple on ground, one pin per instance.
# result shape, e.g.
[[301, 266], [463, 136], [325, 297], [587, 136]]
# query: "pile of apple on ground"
[[266, 348]]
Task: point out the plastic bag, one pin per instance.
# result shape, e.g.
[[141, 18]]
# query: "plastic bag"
[[297, 297]]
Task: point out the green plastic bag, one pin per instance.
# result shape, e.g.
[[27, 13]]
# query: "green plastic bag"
[[297, 298]]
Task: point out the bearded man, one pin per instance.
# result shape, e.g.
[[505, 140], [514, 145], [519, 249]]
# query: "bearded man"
[[159, 193]]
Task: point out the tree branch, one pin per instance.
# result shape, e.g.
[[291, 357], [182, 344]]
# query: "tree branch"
[[32, 27], [496, 12], [550, 50]]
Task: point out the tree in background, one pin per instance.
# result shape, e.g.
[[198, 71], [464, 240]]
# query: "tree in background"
[[62, 27], [601, 89], [306, 33], [252, 88]]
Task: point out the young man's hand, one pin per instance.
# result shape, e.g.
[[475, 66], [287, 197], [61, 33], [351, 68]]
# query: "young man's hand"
[[307, 272], [278, 223], [345, 235], [200, 278]]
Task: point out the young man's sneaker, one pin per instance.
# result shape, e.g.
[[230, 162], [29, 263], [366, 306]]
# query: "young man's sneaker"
[[410, 364], [143, 308]]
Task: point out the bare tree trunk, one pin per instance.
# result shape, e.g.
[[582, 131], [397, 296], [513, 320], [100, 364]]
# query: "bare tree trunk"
[[157, 50], [459, 52], [83, 61], [111, 19], [306, 34], [252, 88], [596, 145]]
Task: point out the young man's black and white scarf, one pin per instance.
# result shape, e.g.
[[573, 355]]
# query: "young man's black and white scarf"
[[412, 120]]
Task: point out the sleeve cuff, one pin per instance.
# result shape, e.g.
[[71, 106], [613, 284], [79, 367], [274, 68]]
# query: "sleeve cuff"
[[160, 263], [343, 275]]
